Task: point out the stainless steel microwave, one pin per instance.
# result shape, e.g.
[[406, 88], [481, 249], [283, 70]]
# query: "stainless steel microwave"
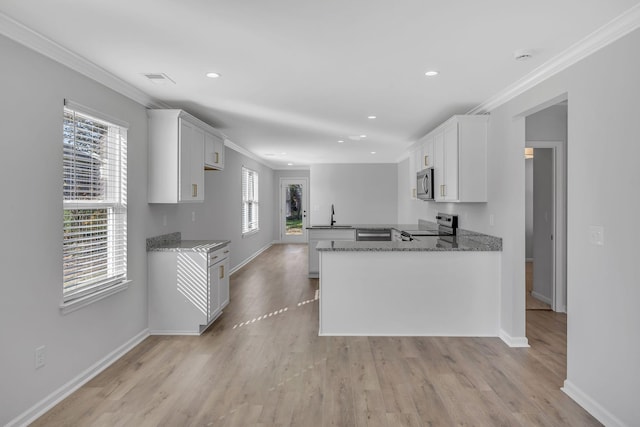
[[424, 184]]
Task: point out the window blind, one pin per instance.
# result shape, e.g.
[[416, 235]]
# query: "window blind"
[[94, 203], [250, 217]]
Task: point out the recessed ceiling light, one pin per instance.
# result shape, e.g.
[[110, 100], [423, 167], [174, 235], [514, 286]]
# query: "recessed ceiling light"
[[431, 73], [363, 136], [371, 117], [340, 141], [213, 75], [289, 164], [373, 152]]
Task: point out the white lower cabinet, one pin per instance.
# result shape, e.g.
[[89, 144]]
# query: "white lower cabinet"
[[318, 234], [187, 290]]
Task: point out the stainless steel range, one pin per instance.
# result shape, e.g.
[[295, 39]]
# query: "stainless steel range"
[[447, 226]]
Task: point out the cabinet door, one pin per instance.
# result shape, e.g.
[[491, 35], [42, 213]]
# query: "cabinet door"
[[450, 181], [191, 163], [314, 258], [438, 167], [213, 293], [213, 152], [414, 160], [223, 282], [197, 165], [427, 153]]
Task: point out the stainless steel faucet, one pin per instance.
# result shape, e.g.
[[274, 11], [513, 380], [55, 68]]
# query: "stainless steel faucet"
[[333, 212]]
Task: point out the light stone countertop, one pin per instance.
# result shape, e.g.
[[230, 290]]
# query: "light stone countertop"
[[173, 243], [464, 241]]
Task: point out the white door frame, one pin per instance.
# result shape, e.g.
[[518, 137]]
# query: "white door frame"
[[559, 217], [305, 209]]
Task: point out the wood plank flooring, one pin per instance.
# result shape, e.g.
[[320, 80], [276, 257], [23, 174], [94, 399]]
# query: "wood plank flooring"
[[263, 364]]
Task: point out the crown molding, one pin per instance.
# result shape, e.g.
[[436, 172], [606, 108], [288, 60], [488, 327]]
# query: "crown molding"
[[603, 36], [20, 33]]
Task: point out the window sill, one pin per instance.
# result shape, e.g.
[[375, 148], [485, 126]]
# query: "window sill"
[[250, 233], [78, 303]]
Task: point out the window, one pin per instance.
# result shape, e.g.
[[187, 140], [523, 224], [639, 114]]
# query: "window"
[[250, 223], [95, 205]]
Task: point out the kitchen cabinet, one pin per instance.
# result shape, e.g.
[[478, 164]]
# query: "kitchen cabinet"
[[187, 290], [318, 234], [177, 154], [414, 164], [213, 152], [426, 158], [460, 159]]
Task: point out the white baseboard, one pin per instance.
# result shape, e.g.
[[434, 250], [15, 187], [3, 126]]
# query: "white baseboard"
[[541, 297], [37, 410], [590, 405], [513, 341], [250, 258]]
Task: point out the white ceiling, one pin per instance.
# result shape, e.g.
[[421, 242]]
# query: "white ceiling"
[[299, 75]]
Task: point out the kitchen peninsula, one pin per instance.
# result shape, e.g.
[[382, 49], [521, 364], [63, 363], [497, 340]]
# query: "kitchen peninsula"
[[431, 286]]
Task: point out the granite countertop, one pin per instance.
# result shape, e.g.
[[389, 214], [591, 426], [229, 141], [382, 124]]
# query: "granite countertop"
[[173, 243], [464, 241], [421, 225]]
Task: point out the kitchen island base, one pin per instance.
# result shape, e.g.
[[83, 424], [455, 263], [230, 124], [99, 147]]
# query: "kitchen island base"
[[421, 293]]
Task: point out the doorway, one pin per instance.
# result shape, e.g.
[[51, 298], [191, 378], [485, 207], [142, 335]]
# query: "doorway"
[[546, 210], [293, 210]]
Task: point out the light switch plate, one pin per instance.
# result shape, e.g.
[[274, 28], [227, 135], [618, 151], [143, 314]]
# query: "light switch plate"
[[596, 235]]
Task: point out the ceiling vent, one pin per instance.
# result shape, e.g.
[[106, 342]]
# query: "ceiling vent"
[[523, 54], [159, 78]]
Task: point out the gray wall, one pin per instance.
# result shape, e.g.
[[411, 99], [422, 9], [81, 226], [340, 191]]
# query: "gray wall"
[[219, 217], [361, 193], [603, 130], [528, 208], [543, 224], [33, 89]]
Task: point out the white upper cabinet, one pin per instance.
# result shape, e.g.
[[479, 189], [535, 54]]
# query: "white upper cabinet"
[[426, 158], [459, 152], [177, 156], [213, 151]]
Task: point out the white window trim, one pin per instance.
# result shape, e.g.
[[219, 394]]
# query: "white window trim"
[[82, 299], [246, 234]]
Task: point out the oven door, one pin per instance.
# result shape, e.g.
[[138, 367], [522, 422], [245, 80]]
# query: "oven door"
[[424, 184]]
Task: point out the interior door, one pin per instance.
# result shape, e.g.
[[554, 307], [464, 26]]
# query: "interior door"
[[293, 210]]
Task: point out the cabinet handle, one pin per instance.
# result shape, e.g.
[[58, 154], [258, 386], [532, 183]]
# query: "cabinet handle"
[[226, 252], [194, 190], [217, 157], [214, 257], [426, 160], [222, 272], [442, 190]]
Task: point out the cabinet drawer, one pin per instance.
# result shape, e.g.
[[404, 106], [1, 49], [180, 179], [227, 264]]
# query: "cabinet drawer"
[[218, 255]]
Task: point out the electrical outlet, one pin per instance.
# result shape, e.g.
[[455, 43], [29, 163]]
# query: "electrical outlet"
[[40, 357], [492, 220]]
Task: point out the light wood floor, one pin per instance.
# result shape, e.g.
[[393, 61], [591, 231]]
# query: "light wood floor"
[[276, 371]]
